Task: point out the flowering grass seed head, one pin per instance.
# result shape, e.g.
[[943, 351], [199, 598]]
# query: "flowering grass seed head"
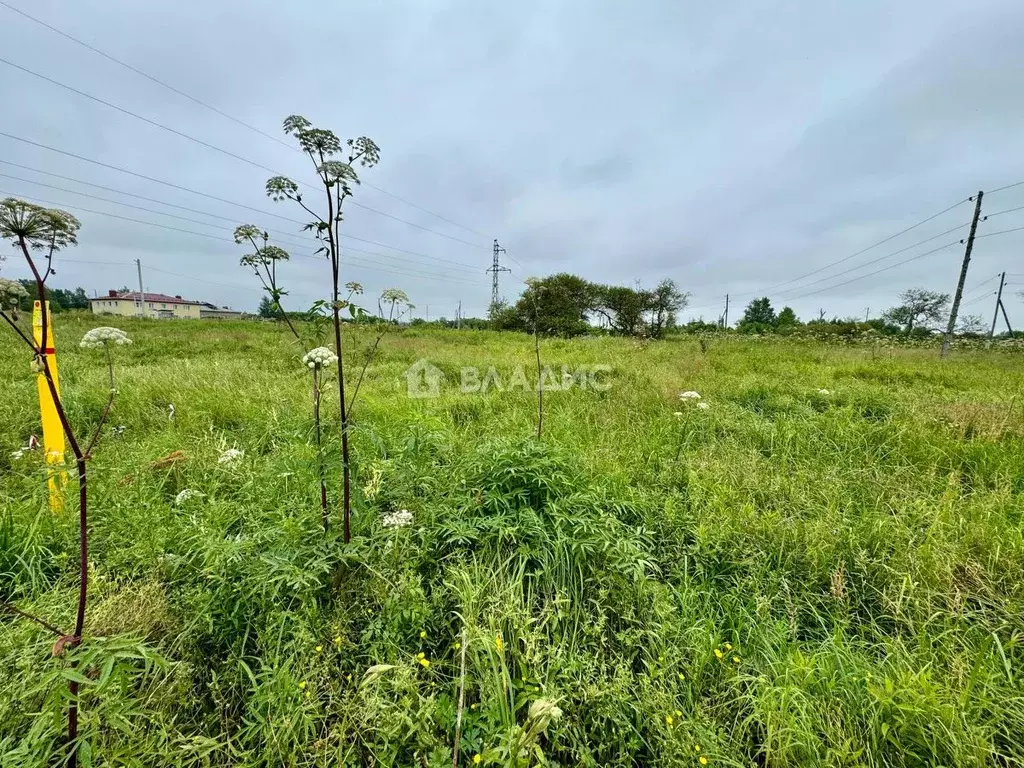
[[100, 337]]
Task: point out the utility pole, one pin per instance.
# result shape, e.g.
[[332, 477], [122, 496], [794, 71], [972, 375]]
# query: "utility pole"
[[1003, 307], [725, 322], [495, 269], [948, 340], [867, 314], [458, 316], [999, 303], [142, 294]]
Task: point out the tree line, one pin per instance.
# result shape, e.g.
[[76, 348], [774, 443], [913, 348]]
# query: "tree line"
[[919, 313], [568, 305], [59, 298]]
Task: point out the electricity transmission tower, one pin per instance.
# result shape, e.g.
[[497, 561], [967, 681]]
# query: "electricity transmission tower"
[[494, 269]]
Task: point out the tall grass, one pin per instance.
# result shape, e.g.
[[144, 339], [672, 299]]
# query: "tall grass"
[[785, 578]]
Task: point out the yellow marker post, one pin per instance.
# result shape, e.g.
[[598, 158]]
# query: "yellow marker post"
[[53, 432]]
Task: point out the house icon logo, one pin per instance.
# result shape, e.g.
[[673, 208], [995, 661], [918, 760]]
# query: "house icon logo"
[[422, 379]]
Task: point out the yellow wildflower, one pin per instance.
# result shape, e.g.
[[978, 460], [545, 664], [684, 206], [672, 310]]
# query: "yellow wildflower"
[[337, 640], [424, 663], [703, 760], [477, 759], [718, 653], [302, 685], [499, 643], [728, 646], [669, 720], [458, 645], [682, 676], [679, 713], [423, 634], [696, 747], [735, 659], [319, 648]]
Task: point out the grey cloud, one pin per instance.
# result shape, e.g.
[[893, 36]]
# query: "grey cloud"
[[730, 147]]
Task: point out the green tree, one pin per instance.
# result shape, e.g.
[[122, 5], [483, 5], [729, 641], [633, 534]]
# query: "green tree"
[[666, 301], [623, 307], [557, 305], [918, 306], [787, 318], [758, 317], [266, 308]]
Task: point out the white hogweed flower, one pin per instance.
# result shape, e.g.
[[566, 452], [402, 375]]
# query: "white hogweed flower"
[[319, 358], [824, 392], [689, 395], [399, 519], [703, 406], [100, 337], [11, 293], [186, 495], [230, 456]]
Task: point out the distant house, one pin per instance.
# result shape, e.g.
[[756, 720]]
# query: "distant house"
[[158, 305]]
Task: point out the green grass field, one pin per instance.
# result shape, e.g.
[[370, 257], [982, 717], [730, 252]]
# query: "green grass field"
[[783, 578]]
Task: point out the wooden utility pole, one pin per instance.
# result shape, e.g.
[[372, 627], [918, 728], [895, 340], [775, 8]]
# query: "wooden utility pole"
[[725, 323], [948, 340], [458, 316], [999, 303], [1005, 318], [142, 294]]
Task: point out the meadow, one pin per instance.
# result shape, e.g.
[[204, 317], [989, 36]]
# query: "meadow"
[[822, 567]]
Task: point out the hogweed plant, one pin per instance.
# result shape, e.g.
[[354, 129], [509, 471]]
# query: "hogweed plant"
[[317, 360], [337, 178], [263, 262], [47, 231], [535, 288], [398, 306]]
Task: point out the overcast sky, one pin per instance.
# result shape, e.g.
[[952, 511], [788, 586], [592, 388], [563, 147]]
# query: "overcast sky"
[[729, 148]]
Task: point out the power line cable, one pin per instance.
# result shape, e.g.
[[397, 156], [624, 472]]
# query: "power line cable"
[[1008, 210], [875, 261], [215, 109], [1000, 232], [350, 262], [193, 192], [293, 242], [214, 147], [877, 271], [1008, 186], [862, 251]]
